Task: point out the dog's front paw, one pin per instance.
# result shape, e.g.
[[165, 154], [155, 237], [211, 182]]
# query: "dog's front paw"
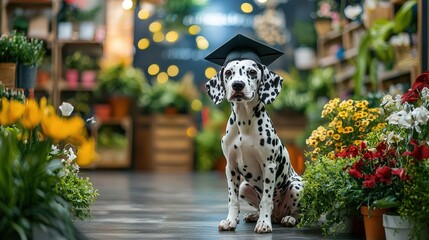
[[289, 221], [263, 227], [227, 225]]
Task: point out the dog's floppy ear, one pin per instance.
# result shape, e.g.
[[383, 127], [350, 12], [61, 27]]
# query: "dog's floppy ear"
[[215, 88], [270, 86]]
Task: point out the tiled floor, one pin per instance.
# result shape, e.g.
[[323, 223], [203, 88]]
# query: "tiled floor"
[[136, 205]]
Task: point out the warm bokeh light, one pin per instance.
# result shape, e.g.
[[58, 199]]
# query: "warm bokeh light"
[[153, 69], [162, 77], [246, 7], [194, 29], [172, 71], [127, 4], [144, 14], [196, 105], [143, 43], [202, 43], [172, 36], [191, 132], [155, 26], [158, 37], [210, 72]]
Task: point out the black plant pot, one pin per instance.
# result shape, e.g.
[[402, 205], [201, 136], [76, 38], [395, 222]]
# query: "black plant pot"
[[26, 76]]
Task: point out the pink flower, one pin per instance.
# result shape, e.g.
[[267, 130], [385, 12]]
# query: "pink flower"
[[401, 173]]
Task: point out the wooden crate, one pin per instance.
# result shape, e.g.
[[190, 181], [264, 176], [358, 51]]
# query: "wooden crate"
[[162, 143], [109, 157]]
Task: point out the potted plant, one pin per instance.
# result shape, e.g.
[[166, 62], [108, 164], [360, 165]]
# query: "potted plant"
[[304, 54], [31, 54], [88, 73], [42, 191], [121, 83], [340, 121], [171, 97], [325, 16], [8, 53], [73, 64], [375, 46], [85, 18]]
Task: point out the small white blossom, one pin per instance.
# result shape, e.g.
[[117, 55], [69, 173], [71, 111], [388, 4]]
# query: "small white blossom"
[[71, 155], [91, 120], [54, 150], [66, 109], [352, 11], [393, 138]]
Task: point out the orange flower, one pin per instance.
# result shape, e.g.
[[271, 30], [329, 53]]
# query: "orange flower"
[[32, 114], [11, 111], [86, 152]]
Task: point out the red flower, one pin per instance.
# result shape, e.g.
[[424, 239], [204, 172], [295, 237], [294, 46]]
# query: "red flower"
[[401, 173], [420, 152], [369, 181], [421, 82], [383, 174], [355, 173]]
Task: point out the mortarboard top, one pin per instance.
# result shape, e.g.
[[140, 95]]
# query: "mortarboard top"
[[241, 47]]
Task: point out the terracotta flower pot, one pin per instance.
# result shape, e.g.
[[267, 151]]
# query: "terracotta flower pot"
[[102, 111], [373, 222], [120, 106], [72, 77]]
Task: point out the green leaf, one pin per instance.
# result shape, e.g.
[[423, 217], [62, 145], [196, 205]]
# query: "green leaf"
[[404, 16]]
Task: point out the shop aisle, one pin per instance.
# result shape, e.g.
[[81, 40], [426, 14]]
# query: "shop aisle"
[[135, 205]]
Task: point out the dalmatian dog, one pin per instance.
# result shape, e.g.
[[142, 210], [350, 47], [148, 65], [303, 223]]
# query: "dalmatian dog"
[[258, 168]]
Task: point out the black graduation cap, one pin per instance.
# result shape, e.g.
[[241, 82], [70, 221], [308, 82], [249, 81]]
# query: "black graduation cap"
[[241, 47]]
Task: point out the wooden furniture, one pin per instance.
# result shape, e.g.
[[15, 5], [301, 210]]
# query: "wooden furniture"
[[114, 157], [164, 143], [57, 49], [338, 49]]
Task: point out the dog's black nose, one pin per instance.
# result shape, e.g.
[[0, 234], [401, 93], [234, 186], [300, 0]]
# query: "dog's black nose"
[[238, 85]]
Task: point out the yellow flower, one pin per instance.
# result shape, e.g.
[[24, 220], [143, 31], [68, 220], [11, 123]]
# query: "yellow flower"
[[337, 137], [32, 114], [330, 133], [86, 152], [348, 129], [59, 128], [331, 155], [11, 111]]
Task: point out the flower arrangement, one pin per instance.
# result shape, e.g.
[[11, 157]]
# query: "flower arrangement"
[[385, 166], [349, 122], [39, 172]]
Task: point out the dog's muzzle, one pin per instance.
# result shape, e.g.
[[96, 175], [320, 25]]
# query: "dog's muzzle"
[[238, 93]]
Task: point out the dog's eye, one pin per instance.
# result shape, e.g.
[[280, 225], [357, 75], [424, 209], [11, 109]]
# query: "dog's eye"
[[228, 73], [253, 73]]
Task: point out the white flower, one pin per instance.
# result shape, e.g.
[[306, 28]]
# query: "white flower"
[[401, 118], [54, 150], [393, 138], [91, 120], [421, 115], [66, 109], [352, 11], [425, 96], [71, 155]]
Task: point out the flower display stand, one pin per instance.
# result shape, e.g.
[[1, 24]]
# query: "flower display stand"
[[373, 222], [162, 143], [395, 227]]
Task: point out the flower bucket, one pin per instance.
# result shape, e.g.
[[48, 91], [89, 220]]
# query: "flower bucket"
[[88, 78], [102, 111], [120, 106], [396, 228], [26, 76], [322, 26], [65, 30], [72, 77], [373, 222], [8, 74], [86, 30]]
